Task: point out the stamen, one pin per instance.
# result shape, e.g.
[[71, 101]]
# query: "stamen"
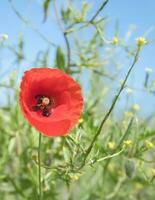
[[44, 104], [45, 101]]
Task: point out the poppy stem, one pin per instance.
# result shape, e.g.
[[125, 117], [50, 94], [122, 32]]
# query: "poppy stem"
[[39, 168]]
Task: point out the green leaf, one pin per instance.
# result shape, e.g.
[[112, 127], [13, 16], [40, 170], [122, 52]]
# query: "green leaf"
[[46, 4], [60, 59], [66, 14]]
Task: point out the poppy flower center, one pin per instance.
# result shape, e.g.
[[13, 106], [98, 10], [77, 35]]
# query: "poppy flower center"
[[45, 101], [43, 105]]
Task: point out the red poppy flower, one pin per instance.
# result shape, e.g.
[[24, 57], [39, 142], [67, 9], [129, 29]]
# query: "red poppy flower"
[[50, 100]]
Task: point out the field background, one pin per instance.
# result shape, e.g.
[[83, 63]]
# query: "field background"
[[95, 44]]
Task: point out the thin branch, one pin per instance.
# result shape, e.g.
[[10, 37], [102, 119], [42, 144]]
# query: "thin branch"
[[108, 157], [104, 74], [39, 168], [91, 21], [29, 24], [75, 142], [99, 10], [110, 109]]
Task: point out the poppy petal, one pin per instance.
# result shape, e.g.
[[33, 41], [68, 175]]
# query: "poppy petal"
[[63, 92]]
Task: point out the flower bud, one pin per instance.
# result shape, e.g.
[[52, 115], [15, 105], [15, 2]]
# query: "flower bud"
[[140, 41], [115, 40], [127, 144], [148, 145], [111, 145]]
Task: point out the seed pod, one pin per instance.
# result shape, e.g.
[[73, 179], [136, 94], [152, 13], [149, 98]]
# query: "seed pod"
[[129, 168]]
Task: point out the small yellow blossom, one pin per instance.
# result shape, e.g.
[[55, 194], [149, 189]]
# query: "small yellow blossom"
[[115, 40], [148, 70], [153, 172], [111, 145], [148, 144], [135, 107], [81, 121], [140, 41], [75, 177], [127, 144]]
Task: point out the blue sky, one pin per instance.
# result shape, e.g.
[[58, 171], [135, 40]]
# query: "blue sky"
[[128, 12]]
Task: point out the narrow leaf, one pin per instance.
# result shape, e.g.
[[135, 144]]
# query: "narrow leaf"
[[46, 4], [60, 59]]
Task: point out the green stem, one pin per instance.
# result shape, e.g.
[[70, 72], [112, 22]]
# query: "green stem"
[[39, 168], [110, 109], [99, 10]]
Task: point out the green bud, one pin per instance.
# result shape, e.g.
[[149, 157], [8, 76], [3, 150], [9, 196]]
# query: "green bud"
[[129, 168]]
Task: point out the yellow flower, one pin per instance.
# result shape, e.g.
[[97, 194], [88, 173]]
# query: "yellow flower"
[[111, 145], [127, 144], [148, 144], [135, 107], [115, 40], [153, 172], [75, 177], [81, 121], [140, 41]]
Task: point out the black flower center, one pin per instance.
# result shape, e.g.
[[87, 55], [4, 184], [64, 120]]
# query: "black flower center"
[[43, 104]]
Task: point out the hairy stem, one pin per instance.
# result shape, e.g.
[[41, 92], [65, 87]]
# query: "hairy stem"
[[39, 167]]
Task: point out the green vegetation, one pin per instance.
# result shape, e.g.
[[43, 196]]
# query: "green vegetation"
[[107, 155]]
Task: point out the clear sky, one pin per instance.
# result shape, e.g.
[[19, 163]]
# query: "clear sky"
[[140, 13]]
